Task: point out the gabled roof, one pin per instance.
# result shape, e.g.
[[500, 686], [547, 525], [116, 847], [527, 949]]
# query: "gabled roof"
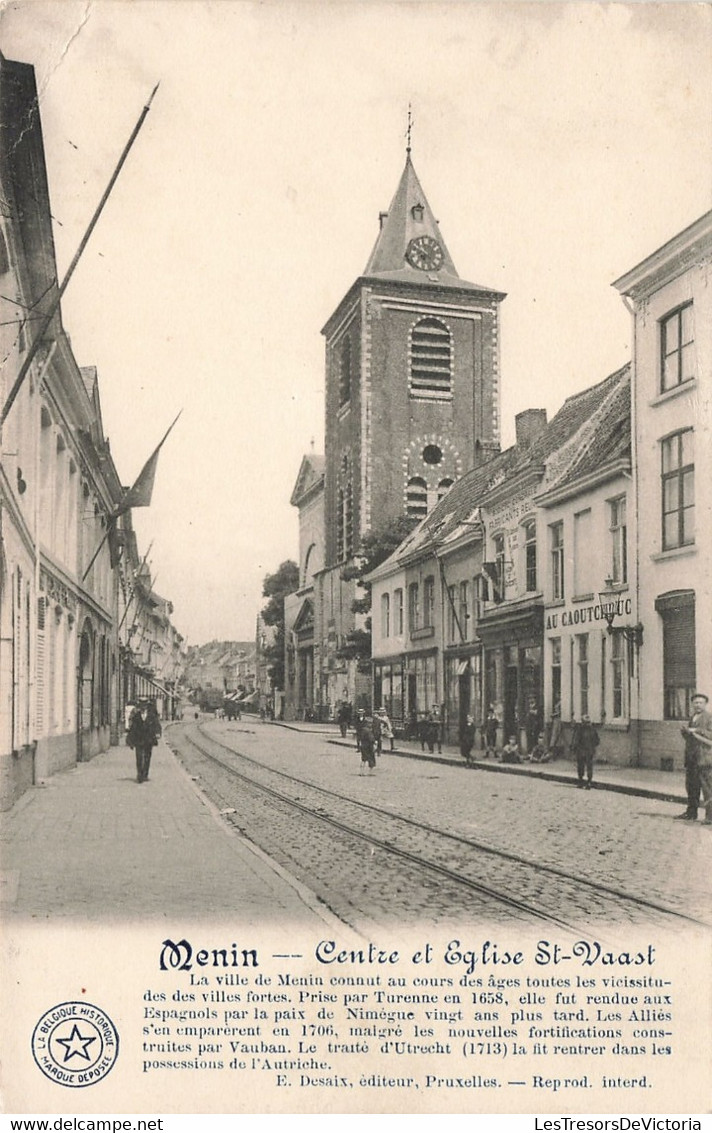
[[305, 618], [678, 255], [410, 216], [311, 476], [609, 442], [591, 427]]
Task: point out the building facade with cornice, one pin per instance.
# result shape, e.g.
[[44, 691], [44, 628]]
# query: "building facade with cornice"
[[670, 299], [63, 532]]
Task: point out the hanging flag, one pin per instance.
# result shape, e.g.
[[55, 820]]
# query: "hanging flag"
[[141, 491], [492, 573]]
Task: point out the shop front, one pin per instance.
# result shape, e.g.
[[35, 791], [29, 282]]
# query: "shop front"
[[512, 640], [463, 690], [590, 667], [420, 688], [388, 691]]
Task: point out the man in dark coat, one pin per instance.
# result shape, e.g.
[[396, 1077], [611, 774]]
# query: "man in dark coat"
[[698, 736], [467, 738], [343, 717], [143, 735], [584, 742]]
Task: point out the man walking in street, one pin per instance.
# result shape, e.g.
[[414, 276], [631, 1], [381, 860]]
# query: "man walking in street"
[[143, 735], [584, 742], [698, 759]]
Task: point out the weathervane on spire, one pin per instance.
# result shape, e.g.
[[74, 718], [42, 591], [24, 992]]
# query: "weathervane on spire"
[[410, 126]]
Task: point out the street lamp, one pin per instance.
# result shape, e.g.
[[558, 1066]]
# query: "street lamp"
[[610, 608]]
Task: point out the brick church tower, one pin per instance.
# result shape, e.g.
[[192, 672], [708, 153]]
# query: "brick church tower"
[[412, 381], [412, 402]]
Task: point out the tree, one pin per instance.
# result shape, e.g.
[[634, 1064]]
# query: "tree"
[[276, 587], [376, 547]]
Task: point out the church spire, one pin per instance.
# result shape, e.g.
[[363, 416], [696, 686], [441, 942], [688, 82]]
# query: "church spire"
[[409, 242]]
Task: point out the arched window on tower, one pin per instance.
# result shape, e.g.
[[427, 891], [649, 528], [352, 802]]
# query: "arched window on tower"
[[430, 359], [444, 486], [345, 372], [416, 497]]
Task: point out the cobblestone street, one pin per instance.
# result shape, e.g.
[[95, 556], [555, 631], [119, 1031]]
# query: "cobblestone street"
[[625, 841]]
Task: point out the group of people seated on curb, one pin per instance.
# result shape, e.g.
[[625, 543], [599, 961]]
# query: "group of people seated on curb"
[[429, 730]]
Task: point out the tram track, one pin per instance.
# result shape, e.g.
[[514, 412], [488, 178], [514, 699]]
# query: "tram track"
[[481, 880]]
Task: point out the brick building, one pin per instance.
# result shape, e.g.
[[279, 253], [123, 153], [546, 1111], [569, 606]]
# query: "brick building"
[[412, 402]]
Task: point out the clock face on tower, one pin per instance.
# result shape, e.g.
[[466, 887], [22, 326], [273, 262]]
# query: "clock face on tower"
[[424, 253]]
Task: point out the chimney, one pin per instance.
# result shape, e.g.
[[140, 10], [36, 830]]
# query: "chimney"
[[529, 426], [382, 216]]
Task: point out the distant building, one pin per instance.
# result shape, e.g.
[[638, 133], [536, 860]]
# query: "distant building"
[[303, 610]]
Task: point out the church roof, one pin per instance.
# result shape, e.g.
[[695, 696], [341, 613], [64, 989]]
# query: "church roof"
[[311, 476], [409, 217]]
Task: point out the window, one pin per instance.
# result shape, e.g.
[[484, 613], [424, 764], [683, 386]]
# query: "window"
[[429, 601], [556, 535], [582, 553], [385, 615], [430, 359], [464, 613], [499, 565], [555, 645], [530, 555], [416, 497], [444, 486], [619, 540], [452, 634], [345, 372], [678, 484], [582, 660], [618, 675], [413, 606], [679, 670], [677, 348], [479, 586], [398, 612]]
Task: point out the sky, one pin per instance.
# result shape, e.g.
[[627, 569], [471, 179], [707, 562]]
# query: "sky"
[[558, 145]]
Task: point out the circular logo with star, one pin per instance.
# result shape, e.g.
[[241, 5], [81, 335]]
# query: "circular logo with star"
[[75, 1044]]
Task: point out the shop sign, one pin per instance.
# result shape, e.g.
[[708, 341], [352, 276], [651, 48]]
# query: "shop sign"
[[585, 615]]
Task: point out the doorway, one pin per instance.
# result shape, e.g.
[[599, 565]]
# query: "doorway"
[[511, 700]]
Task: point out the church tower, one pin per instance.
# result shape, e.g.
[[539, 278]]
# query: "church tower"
[[412, 378]]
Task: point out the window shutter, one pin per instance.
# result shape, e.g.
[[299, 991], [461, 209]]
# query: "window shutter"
[[40, 661]]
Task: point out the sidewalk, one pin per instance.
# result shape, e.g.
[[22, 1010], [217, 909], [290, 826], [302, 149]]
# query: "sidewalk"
[[669, 786], [94, 844]]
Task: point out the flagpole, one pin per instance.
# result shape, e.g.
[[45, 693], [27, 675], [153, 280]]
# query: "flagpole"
[[29, 357], [94, 557]]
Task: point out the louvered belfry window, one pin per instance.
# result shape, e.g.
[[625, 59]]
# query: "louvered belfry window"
[[431, 359]]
